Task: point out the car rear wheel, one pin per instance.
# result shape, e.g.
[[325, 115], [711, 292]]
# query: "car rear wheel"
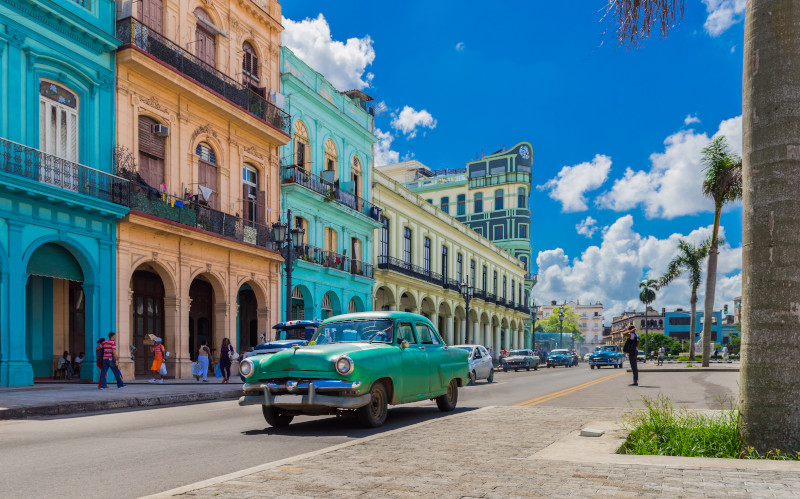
[[536, 367], [448, 401], [528, 367], [473, 378], [274, 417], [490, 379], [591, 366], [373, 414]]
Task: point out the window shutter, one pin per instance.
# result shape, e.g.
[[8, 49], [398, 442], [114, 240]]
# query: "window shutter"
[[246, 202], [261, 201], [207, 173]]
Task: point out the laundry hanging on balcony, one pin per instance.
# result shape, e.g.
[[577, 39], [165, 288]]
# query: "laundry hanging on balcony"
[[206, 192]]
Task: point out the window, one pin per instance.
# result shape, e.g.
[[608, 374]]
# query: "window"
[[446, 204], [426, 335], [461, 204], [407, 246], [426, 255], [520, 294], [151, 14], [444, 262], [495, 283], [301, 144], [505, 287], [479, 231], [430, 201], [58, 121], [498, 232], [406, 333], [523, 231], [383, 247], [301, 223], [484, 287], [459, 268], [513, 287], [498, 199], [205, 43], [478, 203], [521, 198], [253, 200], [331, 240], [250, 69], [207, 172], [152, 150], [472, 272], [330, 173], [355, 175], [524, 260]]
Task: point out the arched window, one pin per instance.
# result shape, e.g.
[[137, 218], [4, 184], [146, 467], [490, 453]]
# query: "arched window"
[[498, 199], [253, 198], [478, 203], [207, 173], [331, 167], [152, 15], [642, 323], [461, 204], [521, 198], [446, 204], [205, 40], [152, 149], [301, 158], [355, 176], [250, 69], [58, 121]]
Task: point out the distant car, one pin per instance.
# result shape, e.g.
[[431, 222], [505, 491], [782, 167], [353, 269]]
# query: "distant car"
[[586, 357], [607, 355], [480, 363], [575, 358], [520, 359], [560, 358], [640, 356]]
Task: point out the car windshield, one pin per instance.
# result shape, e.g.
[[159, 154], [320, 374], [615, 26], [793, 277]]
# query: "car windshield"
[[608, 349], [380, 330], [559, 352], [521, 353]]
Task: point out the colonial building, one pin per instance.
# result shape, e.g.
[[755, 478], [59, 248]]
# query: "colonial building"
[[590, 315], [58, 201], [677, 325], [653, 321], [200, 137], [424, 257], [326, 181]]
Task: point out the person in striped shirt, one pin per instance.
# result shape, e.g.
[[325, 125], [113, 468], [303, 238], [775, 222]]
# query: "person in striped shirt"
[[110, 361]]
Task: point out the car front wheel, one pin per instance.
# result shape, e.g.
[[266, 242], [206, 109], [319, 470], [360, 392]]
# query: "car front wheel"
[[490, 379], [274, 417], [448, 401], [373, 414]]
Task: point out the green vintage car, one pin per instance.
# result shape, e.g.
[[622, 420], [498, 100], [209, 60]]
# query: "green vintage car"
[[357, 363]]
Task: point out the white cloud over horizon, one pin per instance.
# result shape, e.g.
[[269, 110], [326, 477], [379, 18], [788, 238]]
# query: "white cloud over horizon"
[[572, 183], [722, 14], [384, 155], [409, 120]]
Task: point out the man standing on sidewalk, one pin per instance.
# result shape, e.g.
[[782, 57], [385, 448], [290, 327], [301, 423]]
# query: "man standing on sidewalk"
[[633, 352], [110, 361]]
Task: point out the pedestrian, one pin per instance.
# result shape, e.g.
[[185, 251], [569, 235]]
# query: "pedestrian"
[[661, 352], [225, 357], [725, 352], [65, 364], [158, 361], [76, 364], [203, 357], [632, 351], [98, 358], [110, 362], [132, 351], [716, 354]]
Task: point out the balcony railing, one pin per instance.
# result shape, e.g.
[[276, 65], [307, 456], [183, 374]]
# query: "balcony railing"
[[531, 276], [132, 32], [24, 161], [292, 174], [500, 179], [333, 260]]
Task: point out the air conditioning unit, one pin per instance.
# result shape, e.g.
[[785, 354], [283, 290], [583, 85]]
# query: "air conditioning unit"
[[161, 130]]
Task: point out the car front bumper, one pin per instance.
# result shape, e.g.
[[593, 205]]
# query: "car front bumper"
[[304, 395], [560, 362], [604, 362], [515, 364]]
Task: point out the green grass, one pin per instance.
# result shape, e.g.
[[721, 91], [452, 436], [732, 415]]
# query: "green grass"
[[660, 429]]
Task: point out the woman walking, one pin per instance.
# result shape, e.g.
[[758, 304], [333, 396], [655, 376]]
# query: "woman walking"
[[203, 357], [225, 357], [98, 358]]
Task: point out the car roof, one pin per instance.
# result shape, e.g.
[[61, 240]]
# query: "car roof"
[[289, 324], [466, 345], [389, 314]]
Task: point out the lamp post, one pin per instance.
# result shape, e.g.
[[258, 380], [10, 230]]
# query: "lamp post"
[[561, 326], [290, 244], [533, 325], [466, 292]]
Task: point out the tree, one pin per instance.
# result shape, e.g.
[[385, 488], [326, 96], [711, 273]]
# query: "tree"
[[671, 346], [722, 182], [647, 295], [572, 324], [689, 260]]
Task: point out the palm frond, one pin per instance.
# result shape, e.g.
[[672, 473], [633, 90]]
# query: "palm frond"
[[636, 18], [722, 172]]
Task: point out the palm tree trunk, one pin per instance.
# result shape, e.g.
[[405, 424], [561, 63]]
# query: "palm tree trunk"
[[770, 373], [711, 287], [692, 324]]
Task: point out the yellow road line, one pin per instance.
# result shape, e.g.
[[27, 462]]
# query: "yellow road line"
[[566, 391]]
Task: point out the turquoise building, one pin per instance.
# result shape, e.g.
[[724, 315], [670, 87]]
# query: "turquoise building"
[[326, 182], [58, 200]]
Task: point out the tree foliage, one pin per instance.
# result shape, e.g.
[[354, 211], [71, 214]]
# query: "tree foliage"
[[572, 323], [671, 346]]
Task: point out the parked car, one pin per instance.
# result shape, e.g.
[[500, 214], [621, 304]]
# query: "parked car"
[[520, 359], [357, 363], [561, 357], [640, 356], [480, 363], [289, 333], [607, 355]]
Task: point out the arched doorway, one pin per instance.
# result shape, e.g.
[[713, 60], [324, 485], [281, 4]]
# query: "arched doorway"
[[355, 305], [384, 300], [331, 305], [148, 317], [247, 324], [201, 315]]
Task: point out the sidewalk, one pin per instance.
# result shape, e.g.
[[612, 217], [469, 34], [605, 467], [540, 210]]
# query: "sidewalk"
[[673, 366], [499, 452], [53, 399]]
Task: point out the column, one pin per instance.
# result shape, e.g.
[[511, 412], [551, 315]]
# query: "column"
[[448, 326], [124, 339], [262, 315], [476, 333], [15, 370], [497, 345], [487, 336], [506, 338]]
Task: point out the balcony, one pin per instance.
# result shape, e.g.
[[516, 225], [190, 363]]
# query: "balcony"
[[133, 33], [293, 174], [23, 161], [500, 179], [333, 260], [397, 265]]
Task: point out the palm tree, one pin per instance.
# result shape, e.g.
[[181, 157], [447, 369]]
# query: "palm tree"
[[690, 260], [722, 182], [647, 295]]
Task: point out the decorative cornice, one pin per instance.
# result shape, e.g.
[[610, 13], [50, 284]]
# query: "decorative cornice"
[[252, 151], [106, 79], [16, 37], [153, 102], [206, 129]]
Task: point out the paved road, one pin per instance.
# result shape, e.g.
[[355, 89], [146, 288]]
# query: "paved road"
[[129, 454]]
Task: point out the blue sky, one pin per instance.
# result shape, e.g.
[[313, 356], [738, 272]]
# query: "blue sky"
[[616, 133]]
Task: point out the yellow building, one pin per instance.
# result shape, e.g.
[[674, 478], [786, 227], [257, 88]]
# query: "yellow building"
[[424, 255], [199, 133]]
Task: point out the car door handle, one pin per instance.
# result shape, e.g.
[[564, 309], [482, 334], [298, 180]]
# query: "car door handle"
[[421, 348]]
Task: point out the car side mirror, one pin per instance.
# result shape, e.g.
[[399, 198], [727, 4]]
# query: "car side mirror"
[[403, 345]]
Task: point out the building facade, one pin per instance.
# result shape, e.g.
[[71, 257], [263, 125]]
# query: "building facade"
[[326, 180], [653, 321], [59, 202], [199, 135], [591, 318], [677, 325], [425, 254]]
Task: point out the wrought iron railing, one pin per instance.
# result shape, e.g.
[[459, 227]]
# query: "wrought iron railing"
[[292, 174], [132, 32], [531, 276], [333, 260], [451, 284], [499, 179], [397, 265], [24, 161]]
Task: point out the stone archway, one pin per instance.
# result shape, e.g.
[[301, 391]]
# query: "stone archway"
[[384, 299], [408, 302], [428, 309]]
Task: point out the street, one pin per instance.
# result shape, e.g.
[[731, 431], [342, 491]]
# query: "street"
[[134, 453]]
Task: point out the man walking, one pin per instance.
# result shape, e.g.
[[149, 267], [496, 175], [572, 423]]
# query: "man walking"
[[661, 352], [110, 361], [633, 351]]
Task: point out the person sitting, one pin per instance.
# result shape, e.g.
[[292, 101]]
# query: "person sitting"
[[76, 364], [65, 364]]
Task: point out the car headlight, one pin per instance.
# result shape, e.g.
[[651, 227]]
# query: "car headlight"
[[246, 367], [344, 365]]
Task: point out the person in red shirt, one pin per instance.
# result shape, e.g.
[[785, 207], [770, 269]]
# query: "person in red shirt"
[[110, 361]]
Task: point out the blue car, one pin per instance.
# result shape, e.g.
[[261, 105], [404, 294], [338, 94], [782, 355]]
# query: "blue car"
[[607, 355], [560, 358], [287, 335]]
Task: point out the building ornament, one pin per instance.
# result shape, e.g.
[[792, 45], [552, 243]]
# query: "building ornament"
[[251, 150], [206, 129], [106, 79], [16, 37], [153, 102]]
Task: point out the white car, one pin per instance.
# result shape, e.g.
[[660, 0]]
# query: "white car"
[[640, 356], [480, 363]]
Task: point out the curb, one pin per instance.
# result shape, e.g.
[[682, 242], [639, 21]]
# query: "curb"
[[110, 405], [689, 370]]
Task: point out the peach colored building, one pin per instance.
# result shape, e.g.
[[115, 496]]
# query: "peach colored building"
[[199, 127]]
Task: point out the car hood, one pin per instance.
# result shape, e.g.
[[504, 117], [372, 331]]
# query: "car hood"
[[314, 357], [559, 356], [604, 354], [516, 357]]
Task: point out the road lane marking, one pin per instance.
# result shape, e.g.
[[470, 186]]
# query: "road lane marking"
[[566, 391]]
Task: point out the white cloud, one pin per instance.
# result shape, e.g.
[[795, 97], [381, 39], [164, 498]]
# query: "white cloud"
[[573, 182], [722, 14], [410, 119], [611, 271], [383, 149], [380, 108], [672, 186], [587, 227], [343, 64], [689, 119], [460, 46]]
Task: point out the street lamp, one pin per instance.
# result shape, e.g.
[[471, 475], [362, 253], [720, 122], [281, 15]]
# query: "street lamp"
[[466, 292], [290, 243], [561, 325], [533, 325]]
